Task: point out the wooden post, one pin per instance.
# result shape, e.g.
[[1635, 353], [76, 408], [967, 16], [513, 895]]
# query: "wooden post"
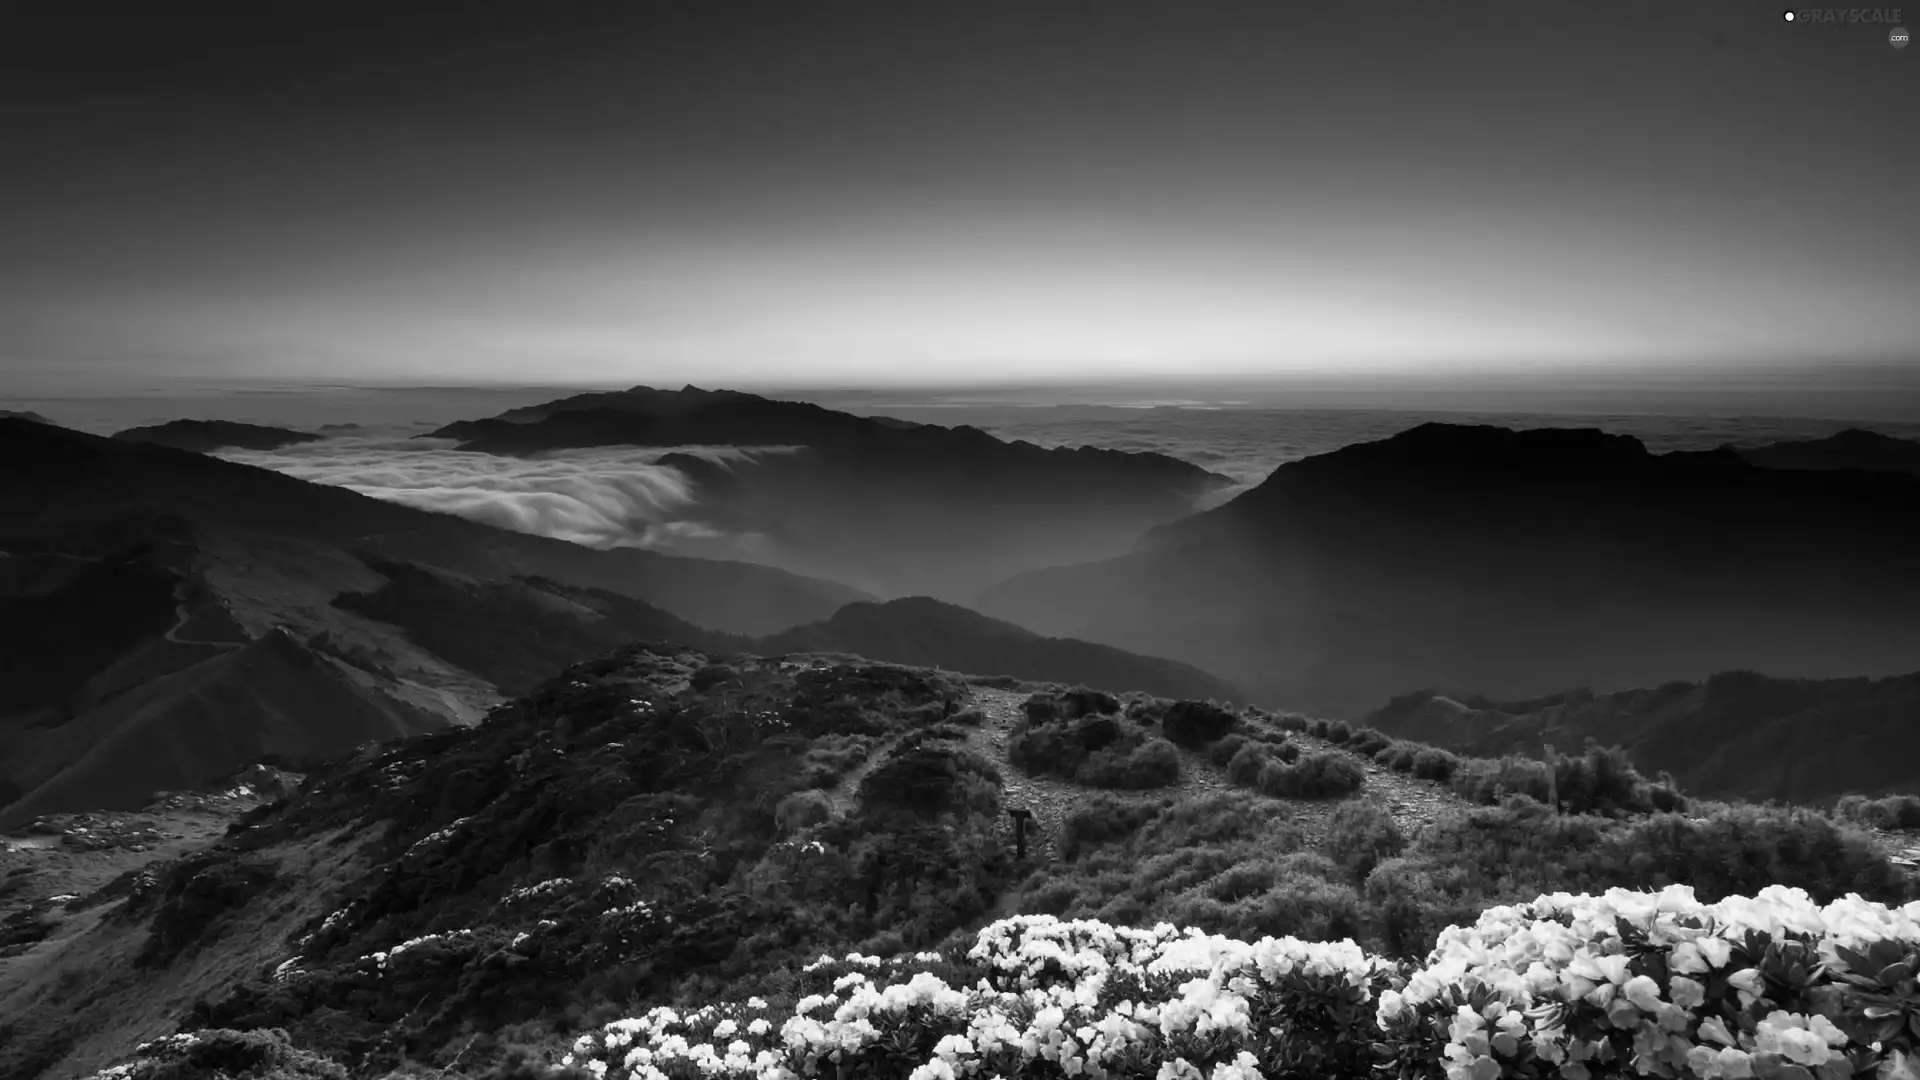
[[1020, 818], [1553, 779]]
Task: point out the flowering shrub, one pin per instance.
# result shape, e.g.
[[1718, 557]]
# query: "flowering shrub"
[[1772, 987], [1051, 998], [1658, 984]]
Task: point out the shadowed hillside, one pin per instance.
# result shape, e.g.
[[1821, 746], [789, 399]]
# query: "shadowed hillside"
[[66, 480], [272, 698], [1737, 734], [926, 632], [893, 507], [1518, 563]]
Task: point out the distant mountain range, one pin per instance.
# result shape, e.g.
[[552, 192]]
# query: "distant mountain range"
[[167, 617], [1737, 734], [894, 507], [1849, 449], [1516, 562], [926, 632], [207, 436]]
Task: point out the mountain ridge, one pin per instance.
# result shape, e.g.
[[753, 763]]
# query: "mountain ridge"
[[1519, 562], [895, 508]]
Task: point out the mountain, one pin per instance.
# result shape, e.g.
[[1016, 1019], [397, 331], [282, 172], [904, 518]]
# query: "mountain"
[[655, 828], [1516, 562], [167, 617], [1849, 449], [894, 507], [150, 598], [273, 698], [926, 632], [1737, 734], [15, 414], [206, 436]]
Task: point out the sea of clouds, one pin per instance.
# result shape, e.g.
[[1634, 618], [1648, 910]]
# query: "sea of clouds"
[[624, 496], [601, 497]]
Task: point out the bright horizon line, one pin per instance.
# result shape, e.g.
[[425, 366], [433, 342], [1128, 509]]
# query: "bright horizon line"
[[1743, 369]]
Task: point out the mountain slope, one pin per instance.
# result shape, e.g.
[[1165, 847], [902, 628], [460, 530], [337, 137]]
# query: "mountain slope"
[[628, 835], [1737, 734], [272, 698], [896, 508], [66, 480], [206, 436], [926, 632], [1518, 563], [166, 617]]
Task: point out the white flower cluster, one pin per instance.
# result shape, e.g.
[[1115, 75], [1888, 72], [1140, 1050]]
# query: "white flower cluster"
[[385, 958], [438, 836], [854, 959], [1063, 1009], [539, 891], [1565, 974], [145, 1052]]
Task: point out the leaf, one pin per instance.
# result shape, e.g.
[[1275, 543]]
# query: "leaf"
[[1891, 975], [1773, 1067], [1855, 961], [1835, 1068]]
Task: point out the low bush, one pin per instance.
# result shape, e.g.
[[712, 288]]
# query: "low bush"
[[1321, 775], [1098, 751], [1891, 812], [1194, 724]]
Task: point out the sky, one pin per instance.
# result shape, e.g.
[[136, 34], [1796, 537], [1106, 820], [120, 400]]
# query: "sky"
[[816, 192]]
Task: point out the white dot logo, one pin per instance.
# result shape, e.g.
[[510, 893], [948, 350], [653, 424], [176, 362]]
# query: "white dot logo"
[[1898, 37], [1789, 16]]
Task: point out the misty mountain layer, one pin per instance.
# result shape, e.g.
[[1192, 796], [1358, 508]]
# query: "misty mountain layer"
[[891, 506], [1517, 563]]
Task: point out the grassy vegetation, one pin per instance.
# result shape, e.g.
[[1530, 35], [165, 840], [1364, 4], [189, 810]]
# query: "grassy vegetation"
[[654, 827], [1079, 735]]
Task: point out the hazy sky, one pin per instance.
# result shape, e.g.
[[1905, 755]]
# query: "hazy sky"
[[817, 191]]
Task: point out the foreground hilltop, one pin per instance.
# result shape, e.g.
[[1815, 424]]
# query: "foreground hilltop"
[[893, 507], [1518, 563], [656, 827]]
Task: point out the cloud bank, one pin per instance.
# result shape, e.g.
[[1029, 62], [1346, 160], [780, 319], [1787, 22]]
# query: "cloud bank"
[[600, 497]]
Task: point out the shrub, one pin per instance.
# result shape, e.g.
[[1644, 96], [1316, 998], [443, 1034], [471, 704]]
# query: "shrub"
[[1103, 820], [1434, 764], [1397, 756], [1040, 708], [1891, 812], [1360, 834], [1194, 724], [1222, 751], [1338, 732], [1098, 751], [1369, 742], [711, 675], [201, 1055], [802, 809], [1081, 701], [1314, 776], [969, 718]]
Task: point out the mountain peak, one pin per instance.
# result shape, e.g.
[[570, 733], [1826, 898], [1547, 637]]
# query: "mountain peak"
[[1436, 443]]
